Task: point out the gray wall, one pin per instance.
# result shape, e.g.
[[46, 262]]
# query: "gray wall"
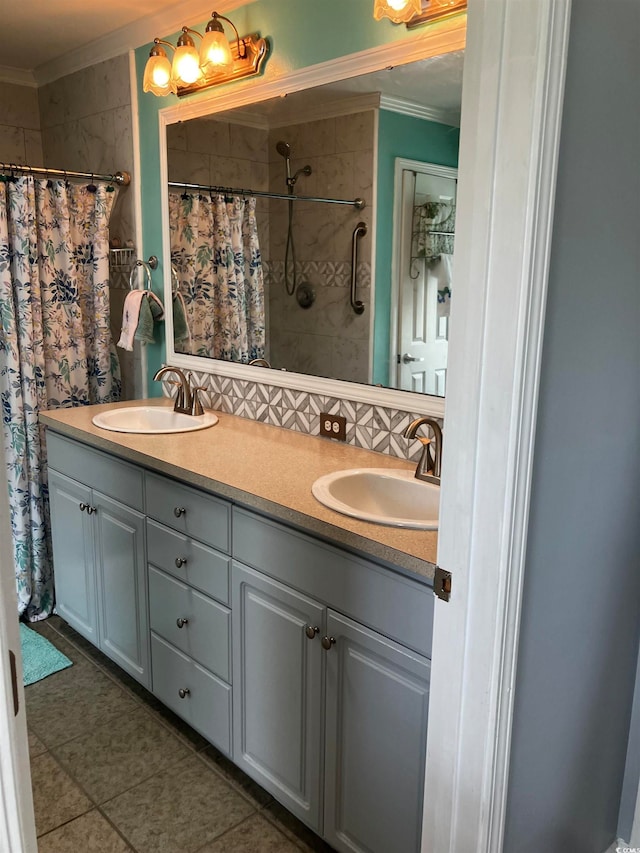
[[20, 137], [581, 606]]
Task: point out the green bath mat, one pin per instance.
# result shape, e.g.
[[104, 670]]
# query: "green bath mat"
[[39, 657]]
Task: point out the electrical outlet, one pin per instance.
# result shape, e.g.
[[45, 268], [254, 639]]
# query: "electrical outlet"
[[333, 426]]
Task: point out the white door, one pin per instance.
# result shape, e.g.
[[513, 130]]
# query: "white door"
[[17, 827], [424, 271]]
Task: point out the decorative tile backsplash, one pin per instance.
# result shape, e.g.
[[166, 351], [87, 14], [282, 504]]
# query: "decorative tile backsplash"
[[370, 427]]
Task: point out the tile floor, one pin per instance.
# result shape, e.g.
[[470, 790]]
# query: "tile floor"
[[114, 771]]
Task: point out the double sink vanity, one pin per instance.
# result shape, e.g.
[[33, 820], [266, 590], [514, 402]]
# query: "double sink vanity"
[[297, 640]]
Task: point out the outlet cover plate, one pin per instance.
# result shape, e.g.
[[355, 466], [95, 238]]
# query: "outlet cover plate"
[[333, 426]]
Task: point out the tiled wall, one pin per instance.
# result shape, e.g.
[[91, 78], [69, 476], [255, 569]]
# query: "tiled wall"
[[87, 126], [20, 136], [222, 153], [327, 339], [371, 427]]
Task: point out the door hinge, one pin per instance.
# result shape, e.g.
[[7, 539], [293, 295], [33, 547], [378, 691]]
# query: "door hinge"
[[442, 584], [14, 683]]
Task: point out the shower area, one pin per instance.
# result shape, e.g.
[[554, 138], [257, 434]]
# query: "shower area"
[[305, 246], [56, 348]]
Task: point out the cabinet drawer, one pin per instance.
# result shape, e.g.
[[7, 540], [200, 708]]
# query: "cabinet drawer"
[[397, 606], [204, 568], [188, 511], [205, 634], [206, 707], [103, 472]]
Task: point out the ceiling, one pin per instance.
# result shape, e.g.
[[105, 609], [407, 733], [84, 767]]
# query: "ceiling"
[[429, 88]]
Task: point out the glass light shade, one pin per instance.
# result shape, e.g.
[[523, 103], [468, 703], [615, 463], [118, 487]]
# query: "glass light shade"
[[398, 11], [186, 66], [215, 53], [157, 73]]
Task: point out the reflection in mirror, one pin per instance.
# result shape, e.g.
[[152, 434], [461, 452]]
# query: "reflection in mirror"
[[424, 233], [263, 225]]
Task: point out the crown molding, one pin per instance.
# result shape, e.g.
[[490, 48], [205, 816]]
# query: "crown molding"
[[18, 76], [327, 109], [129, 37], [410, 108], [296, 115]]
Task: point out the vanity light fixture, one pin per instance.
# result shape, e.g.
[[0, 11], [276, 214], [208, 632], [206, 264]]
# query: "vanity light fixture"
[[215, 62], [413, 13]]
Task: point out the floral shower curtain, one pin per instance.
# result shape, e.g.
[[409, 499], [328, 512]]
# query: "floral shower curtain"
[[55, 346], [216, 255]]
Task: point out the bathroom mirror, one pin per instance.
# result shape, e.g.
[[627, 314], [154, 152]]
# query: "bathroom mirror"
[[304, 307]]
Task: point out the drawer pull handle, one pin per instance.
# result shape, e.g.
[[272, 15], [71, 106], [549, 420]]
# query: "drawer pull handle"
[[184, 692], [180, 562], [327, 642], [178, 511], [311, 631], [182, 622]]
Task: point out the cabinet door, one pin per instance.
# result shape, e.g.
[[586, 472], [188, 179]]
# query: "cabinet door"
[[277, 672], [122, 588], [376, 729], [73, 554]]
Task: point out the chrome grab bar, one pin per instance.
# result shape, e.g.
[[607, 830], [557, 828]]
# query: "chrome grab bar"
[[359, 231]]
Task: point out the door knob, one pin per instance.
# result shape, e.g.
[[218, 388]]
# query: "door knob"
[[327, 642], [182, 622], [311, 631], [180, 562], [184, 692], [407, 358]]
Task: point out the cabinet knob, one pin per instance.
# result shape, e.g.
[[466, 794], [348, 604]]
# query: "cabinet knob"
[[184, 692], [178, 511], [82, 506], [327, 642], [91, 510], [182, 622], [180, 562], [311, 631]]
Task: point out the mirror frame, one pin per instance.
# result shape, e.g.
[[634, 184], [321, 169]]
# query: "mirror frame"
[[447, 37]]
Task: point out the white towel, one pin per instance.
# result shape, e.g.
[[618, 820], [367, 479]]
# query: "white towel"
[[130, 317]]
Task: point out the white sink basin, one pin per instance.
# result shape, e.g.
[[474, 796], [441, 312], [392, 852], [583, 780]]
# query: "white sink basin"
[[382, 495], [152, 419]]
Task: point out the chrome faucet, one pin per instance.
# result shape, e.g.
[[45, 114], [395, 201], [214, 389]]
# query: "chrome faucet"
[[430, 462], [187, 399]]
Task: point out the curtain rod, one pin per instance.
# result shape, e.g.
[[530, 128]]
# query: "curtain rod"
[[123, 179], [358, 203]]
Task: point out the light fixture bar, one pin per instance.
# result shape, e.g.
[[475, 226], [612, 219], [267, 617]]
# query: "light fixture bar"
[[437, 10], [255, 51]]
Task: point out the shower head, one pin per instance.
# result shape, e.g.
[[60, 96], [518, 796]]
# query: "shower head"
[[284, 149], [306, 170]]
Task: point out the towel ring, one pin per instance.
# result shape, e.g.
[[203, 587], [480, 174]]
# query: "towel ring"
[[134, 272]]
